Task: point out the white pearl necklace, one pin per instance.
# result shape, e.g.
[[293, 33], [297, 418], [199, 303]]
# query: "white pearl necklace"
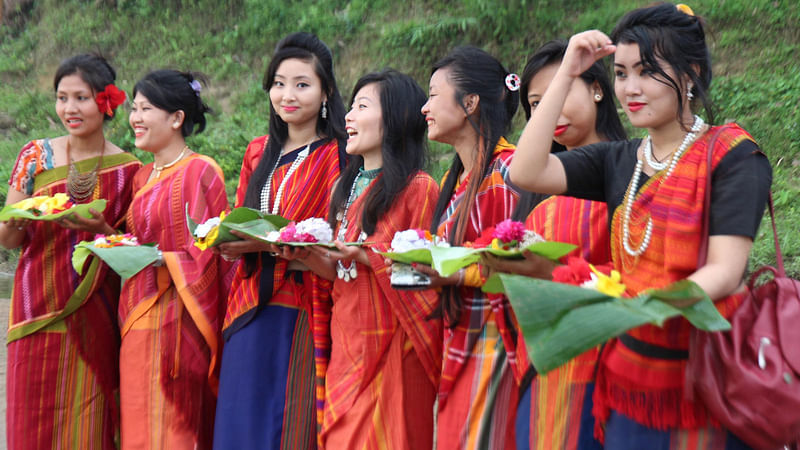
[[351, 272], [648, 156], [265, 191], [637, 172]]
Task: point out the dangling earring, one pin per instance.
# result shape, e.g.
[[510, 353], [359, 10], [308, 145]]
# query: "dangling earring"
[[689, 94], [597, 97], [324, 112]]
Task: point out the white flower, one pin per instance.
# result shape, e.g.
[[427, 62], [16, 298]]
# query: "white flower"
[[203, 229], [319, 228], [404, 241], [274, 236], [530, 237]]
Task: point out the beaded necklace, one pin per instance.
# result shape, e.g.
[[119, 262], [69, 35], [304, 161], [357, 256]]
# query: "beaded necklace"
[[82, 185], [265, 191], [632, 187], [350, 272]]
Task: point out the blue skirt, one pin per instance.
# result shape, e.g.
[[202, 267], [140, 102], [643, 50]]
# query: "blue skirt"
[[266, 390]]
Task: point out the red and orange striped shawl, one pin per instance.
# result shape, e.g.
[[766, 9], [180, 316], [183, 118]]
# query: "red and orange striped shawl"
[[200, 278], [652, 393], [494, 202], [307, 194], [384, 306]]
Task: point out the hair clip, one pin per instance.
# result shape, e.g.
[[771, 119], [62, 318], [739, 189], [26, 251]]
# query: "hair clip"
[[196, 86], [685, 9], [512, 82]]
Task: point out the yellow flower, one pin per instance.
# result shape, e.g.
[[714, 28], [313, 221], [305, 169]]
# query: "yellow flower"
[[208, 240], [609, 285], [26, 204], [50, 204]]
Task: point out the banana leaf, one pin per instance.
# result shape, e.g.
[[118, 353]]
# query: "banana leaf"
[[420, 255], [449, 260], [126, 260], [81, 209], [246, 220], [561, 321]]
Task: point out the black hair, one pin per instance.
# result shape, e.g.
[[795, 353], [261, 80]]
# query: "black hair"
[[607, 125], [173, 91], [93, 69], [473, 71], [403, 148], [309, 48], [678, 38]]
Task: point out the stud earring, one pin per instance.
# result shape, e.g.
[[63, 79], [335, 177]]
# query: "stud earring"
[[324, 111], [597, 97]]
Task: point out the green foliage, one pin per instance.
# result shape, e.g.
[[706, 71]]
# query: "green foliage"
[[757, 76]]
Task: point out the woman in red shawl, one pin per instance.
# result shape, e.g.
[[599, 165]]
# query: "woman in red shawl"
[[171, 312], [63, 378], [655, 189], [268, 396], [385, 350]]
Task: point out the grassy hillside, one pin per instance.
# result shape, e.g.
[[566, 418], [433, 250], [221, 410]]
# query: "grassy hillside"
[[754, 44]]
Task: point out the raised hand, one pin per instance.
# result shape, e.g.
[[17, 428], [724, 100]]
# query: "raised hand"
[[584, 49]]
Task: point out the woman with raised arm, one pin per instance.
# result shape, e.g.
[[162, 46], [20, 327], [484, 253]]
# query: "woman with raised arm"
[[63, 339], [267, 392], [555, 409], [386, 350], [171, 312], [654, 188], [471, 101]]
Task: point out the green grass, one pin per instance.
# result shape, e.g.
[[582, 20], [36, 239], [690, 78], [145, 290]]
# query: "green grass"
[[757, 75]]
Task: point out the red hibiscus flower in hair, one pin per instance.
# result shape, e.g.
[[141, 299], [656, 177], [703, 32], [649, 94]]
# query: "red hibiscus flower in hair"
[[109, 99]]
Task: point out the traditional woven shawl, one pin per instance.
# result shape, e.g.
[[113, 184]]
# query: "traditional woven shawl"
[[650, 390]]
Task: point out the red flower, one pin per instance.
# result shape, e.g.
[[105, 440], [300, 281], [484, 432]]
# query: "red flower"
[[485, 239], [575, 272], [109, 99]]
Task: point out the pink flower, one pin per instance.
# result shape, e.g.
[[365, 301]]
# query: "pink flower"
[[287, 233], [509, 231]]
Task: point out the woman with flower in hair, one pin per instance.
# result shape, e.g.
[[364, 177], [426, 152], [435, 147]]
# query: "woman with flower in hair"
[[268, 392], [170, 313], [655, 189], [471, 101], [63, 351], [555, 409], [385, 350]]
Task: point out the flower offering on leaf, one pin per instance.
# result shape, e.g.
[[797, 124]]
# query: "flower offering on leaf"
[[509, 231], [578, 272], [412, 239], [312, 231], [115, 240], [206, 233], [607, 284], [44, 205]]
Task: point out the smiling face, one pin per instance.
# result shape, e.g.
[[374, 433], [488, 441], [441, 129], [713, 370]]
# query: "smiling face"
[[446, 119], [153, 127], [76, 108], [364, 123], [296, 92], [577, 124], [646, 97]]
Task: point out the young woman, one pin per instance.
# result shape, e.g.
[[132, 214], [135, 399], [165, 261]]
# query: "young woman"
[[267, 392], [385, 350], [471, 102], [170, 312], [62, 326], [654, 188], [555, 406]]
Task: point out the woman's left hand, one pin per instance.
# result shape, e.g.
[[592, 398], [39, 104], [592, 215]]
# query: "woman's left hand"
[[96, 224], [343, 253], [436, 279]]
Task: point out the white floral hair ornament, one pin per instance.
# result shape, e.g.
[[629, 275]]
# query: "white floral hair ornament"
[[512, 82]]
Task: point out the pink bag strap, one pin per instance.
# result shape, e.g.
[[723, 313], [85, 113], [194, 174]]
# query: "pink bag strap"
[[703, 253]]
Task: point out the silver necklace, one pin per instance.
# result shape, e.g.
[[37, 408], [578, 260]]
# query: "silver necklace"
[[265, 191], [350, 272], [651, 161], [629, 197]]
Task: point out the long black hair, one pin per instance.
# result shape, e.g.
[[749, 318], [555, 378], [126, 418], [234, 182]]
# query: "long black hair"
[[473, 71], [663, 31], [93, 69], [173, 91], [403, 148], [607, 124], [309, 48]]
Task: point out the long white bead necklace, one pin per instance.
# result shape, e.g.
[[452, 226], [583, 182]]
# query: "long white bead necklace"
[[265, 191], [629, 197], [651, 161], [342, 272]]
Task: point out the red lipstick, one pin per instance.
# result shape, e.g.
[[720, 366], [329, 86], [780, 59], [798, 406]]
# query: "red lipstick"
[[560, 130]]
